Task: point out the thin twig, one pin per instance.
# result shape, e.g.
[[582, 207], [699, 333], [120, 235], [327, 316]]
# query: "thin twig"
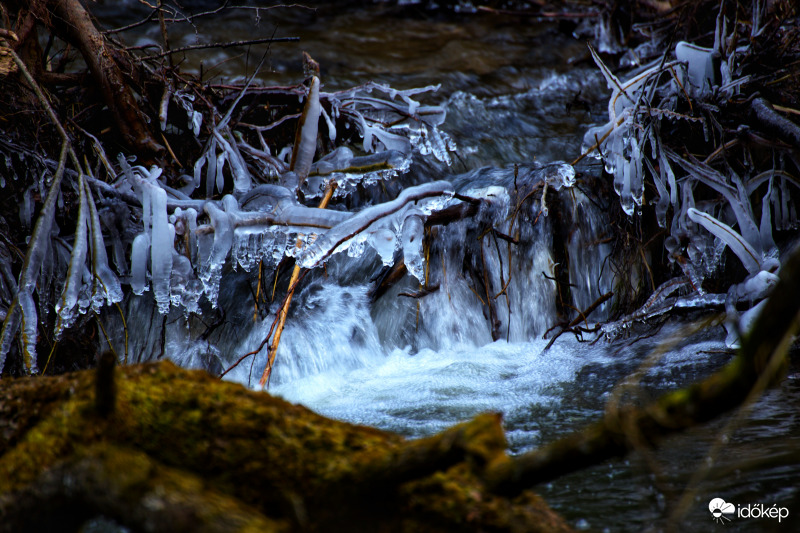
[[580, 318], [284, 310], [229, 44]]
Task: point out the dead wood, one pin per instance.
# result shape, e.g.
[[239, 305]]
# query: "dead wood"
[[70, 21]]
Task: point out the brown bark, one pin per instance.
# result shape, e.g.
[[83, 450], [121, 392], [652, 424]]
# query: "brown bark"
[[71, 22], [79, 29]]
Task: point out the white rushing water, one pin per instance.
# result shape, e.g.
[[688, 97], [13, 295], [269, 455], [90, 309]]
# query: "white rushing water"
[[426, 392]]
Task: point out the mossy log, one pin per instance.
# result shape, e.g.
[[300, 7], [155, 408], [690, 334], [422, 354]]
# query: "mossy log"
[[179, 450]]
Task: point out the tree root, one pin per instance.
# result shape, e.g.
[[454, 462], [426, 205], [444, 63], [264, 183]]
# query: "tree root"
[[76, 27]]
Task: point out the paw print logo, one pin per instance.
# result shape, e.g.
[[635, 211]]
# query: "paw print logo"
[[719, 508]]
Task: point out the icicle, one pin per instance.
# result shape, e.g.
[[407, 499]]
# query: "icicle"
[[336, 239], [26, 206], [241, 176], [34, 258], [198, 170], [737, 197], [146, 209], [307, 144], [211, 170], [109, 290], [139, 252], [625, 196], [700, 65], [767, 242], [413, 227], [637, 183], [164, 107], [211, 270], [162, 246], [29, 331], [219, 179], [663, 196], [190, 215], [330, 123], [195, 118], [743, 250], [666, 169], [185, 289], [10, 327], [384, 242], [69, 296]]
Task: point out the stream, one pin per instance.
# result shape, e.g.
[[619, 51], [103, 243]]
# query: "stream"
[[516, 92]]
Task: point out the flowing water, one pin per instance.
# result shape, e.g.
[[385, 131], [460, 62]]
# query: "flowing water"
[[515, 93]]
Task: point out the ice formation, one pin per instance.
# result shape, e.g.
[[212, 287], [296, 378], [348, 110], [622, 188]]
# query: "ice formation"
[[389, 215], [630, 146], [307, 145], [187, 238]]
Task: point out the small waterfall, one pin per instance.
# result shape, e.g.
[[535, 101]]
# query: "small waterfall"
[[328, 330], [489, 277], [589, 250]]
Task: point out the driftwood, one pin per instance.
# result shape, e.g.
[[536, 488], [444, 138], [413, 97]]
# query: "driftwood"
[[166, 449]]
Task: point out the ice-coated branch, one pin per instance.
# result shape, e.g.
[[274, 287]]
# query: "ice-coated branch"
[[714, 179], [162, 237], [771, 120], [306, 143], [743, 250], [241, 176], [69, 296], [30, 270], [293, 216], [388, 124], [327, 244], [22, 307]]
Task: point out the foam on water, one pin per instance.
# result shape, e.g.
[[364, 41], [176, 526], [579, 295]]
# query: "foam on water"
[[421, 394]]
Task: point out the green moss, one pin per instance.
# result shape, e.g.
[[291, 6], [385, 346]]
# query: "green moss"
[[280, 459]]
